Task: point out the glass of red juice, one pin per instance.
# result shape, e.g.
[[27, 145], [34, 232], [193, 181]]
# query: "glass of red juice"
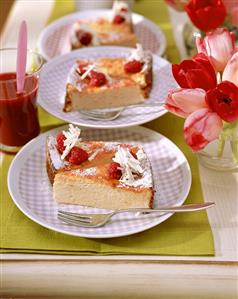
[[19, 121]]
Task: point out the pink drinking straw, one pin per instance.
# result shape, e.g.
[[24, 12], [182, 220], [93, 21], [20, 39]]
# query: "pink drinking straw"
[[21, 56]]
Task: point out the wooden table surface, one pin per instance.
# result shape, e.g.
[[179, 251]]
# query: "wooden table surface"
[[55, 276]]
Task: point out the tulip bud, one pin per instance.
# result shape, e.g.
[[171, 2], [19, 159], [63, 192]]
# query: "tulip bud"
[[231, 70], [183, 102], [195, 73], [206, 15], [224, 101], [218, 45], [201, 127], [232, 10]]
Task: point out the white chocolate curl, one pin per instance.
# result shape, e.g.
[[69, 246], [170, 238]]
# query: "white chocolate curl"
[[72, 136]]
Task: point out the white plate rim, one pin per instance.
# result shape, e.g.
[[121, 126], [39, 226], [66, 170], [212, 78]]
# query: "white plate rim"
[[73, 16], [14, 171], [83, 122]]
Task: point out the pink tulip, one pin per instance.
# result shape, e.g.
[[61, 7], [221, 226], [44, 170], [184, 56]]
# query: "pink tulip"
[[218, 45], [234, 16], [183, 102], [231, 70], [229, 4], [201, 127], [232, 10]]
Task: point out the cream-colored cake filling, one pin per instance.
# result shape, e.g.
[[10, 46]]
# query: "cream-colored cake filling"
[[84, 191]]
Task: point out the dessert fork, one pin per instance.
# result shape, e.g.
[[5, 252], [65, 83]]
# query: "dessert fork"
[[110, 114], [96, 220]]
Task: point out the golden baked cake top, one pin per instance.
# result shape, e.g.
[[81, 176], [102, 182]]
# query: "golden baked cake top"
[[112, 72], [121, 165]]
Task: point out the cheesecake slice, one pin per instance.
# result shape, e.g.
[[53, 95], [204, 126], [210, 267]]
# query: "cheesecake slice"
[[114, 30], [109, 82], [98, 174]]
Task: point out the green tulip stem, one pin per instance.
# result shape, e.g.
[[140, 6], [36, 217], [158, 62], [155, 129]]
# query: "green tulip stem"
[[221, 146], [234, 150]]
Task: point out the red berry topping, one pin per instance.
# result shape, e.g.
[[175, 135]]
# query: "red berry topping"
[[118, 19], [133, 66], [97, 79], [77, 155], [114, 171], [84, 37], [60, 138], [82, 69], [123, 9]]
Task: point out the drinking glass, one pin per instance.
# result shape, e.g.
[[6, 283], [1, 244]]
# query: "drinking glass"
[[19, 121]]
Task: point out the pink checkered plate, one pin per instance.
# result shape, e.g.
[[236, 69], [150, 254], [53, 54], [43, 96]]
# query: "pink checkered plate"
[[31, 190], [54, 75], [55, 38]]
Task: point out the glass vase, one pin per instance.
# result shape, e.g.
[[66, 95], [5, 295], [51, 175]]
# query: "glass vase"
[[189, 38], [222, 153]]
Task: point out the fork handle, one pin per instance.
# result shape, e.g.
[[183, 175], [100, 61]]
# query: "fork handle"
[[183, 208]]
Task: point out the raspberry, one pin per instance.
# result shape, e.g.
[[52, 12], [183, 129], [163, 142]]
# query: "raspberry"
[[84, 37], [81, 69], [123, 9], [77, 155], [97, 79], [60, 138], [133, 67], [114, 171], [118, 19]]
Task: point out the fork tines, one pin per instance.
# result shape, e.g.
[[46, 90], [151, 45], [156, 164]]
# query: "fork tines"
[[74, 218]]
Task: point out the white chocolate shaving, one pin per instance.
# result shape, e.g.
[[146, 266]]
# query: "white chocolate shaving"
[[129, 165], [135, 172], [72, 136], [137, 54], [54, 154], [94, 155], [89, 68], [117, 9], [75, 79], [119, 5]]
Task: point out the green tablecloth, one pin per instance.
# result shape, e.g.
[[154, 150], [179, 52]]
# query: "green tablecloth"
[[182, 234]]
